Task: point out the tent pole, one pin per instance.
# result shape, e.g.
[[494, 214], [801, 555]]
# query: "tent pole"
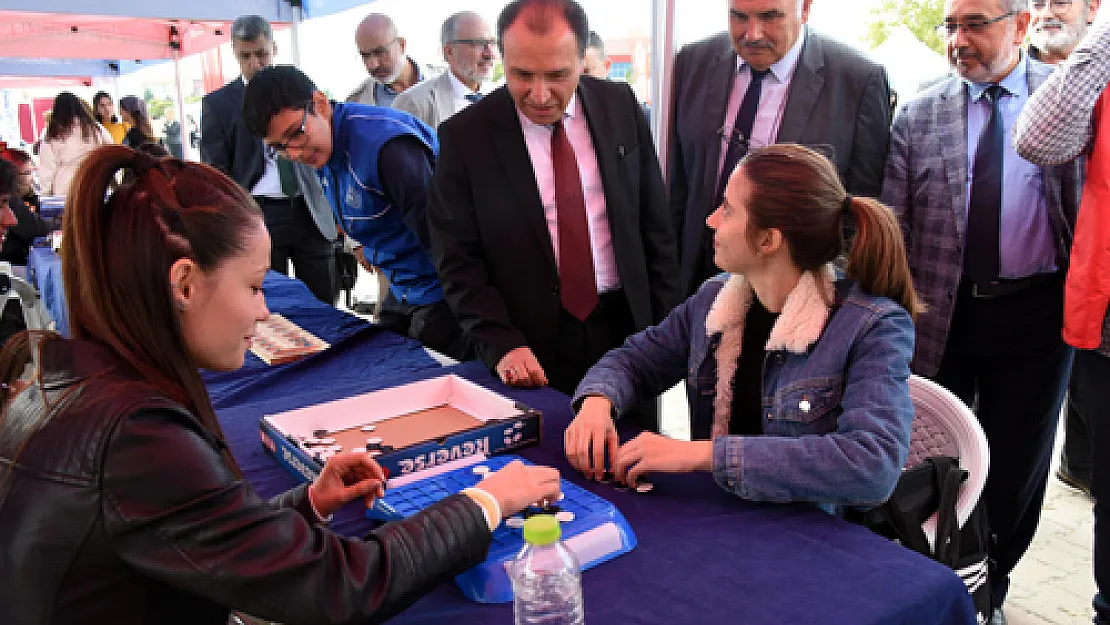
[[187, 150], [298, 17], [662, 57]]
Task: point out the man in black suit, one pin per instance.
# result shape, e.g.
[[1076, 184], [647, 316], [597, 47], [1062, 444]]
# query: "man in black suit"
[[296, 211], [549, 224], [807, 89]]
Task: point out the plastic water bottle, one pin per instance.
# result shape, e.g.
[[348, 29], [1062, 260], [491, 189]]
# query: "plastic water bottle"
[[547, 584]]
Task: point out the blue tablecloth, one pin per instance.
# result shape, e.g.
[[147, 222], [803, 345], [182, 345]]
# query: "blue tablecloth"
[[44, 271], [704, 556]]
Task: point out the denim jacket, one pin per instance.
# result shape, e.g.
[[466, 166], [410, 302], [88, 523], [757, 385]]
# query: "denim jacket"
[[836, 404]]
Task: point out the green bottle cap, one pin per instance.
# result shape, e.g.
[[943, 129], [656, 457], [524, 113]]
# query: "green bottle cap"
[[542, 529]]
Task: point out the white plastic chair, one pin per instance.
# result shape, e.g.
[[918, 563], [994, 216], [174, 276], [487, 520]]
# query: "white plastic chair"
[[944, 426]]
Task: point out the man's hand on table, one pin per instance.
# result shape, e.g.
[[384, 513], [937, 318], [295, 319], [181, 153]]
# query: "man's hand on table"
[[519, 367]]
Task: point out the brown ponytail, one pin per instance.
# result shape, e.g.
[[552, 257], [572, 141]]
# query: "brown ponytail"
[[877, 258], [798, 192], [117, 254]]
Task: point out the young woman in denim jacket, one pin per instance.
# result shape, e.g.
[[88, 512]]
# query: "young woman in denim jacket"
[[811, 403]]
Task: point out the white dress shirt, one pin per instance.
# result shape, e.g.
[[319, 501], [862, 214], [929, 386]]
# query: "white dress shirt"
[[772, 99], [459, 91], [269, 185], [538, 139]]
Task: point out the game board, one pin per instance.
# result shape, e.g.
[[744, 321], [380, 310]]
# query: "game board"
[[597, 533], [406, 428], [278, 341]]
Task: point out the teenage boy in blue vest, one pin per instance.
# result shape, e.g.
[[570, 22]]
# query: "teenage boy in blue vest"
[[375, 165]]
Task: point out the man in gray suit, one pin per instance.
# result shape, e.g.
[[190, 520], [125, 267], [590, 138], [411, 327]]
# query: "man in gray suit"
[[297, 213], [769, 79], [470, 50], [988, 236]]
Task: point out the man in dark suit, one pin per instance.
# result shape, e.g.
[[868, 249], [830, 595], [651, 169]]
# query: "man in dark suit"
[[297, 214], [807, 89], [988, 236], [549, 226]]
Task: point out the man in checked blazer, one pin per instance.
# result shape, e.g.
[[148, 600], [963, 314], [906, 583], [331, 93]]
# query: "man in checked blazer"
[[994, 342], [820, 93]]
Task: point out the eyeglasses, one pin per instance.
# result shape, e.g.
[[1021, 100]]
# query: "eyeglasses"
[[1058, 6], [379, 52], [974, 26], [477, 43], [298, 138]]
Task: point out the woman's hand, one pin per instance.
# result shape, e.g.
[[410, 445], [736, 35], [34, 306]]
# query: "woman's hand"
[[346, 477], [517, 486], [590, 435], [652, 452]]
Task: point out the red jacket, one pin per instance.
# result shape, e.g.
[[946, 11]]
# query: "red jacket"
[[1087, 293]]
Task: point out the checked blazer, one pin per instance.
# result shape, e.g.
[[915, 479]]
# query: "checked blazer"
[[926, 186]]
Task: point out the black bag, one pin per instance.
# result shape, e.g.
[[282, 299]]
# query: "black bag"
[[934, 486], [346, 265]]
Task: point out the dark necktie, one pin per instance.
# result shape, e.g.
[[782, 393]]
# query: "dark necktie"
[[289, 187], [473, 97], [740, 139], [577, 285], [981, 248]]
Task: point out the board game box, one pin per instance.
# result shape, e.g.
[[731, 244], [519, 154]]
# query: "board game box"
[[278, 340], [407, 428], [592, 527]]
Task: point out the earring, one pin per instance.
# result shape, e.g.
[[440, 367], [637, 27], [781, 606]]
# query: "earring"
[[180, 304]]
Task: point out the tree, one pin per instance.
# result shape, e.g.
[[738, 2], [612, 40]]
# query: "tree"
[[921, 16]]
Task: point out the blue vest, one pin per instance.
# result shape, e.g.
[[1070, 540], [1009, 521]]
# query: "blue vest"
[[354, 189]]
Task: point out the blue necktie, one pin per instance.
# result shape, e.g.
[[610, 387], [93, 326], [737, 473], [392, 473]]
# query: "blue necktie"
[[984, 213], [740, 139], [473, 97]]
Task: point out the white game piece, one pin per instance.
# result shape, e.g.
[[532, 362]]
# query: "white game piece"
[[514, 522], [480, 469], [375, 440], [564, 516], [358, 450], [375, 452], [369, 428], [644, 487]]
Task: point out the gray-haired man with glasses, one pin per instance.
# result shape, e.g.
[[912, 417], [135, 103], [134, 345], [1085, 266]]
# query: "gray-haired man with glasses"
[[302, 229], [471, 51], [988, 235], [1057, 27]]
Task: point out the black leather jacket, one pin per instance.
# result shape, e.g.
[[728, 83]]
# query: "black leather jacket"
[[119, 510]]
